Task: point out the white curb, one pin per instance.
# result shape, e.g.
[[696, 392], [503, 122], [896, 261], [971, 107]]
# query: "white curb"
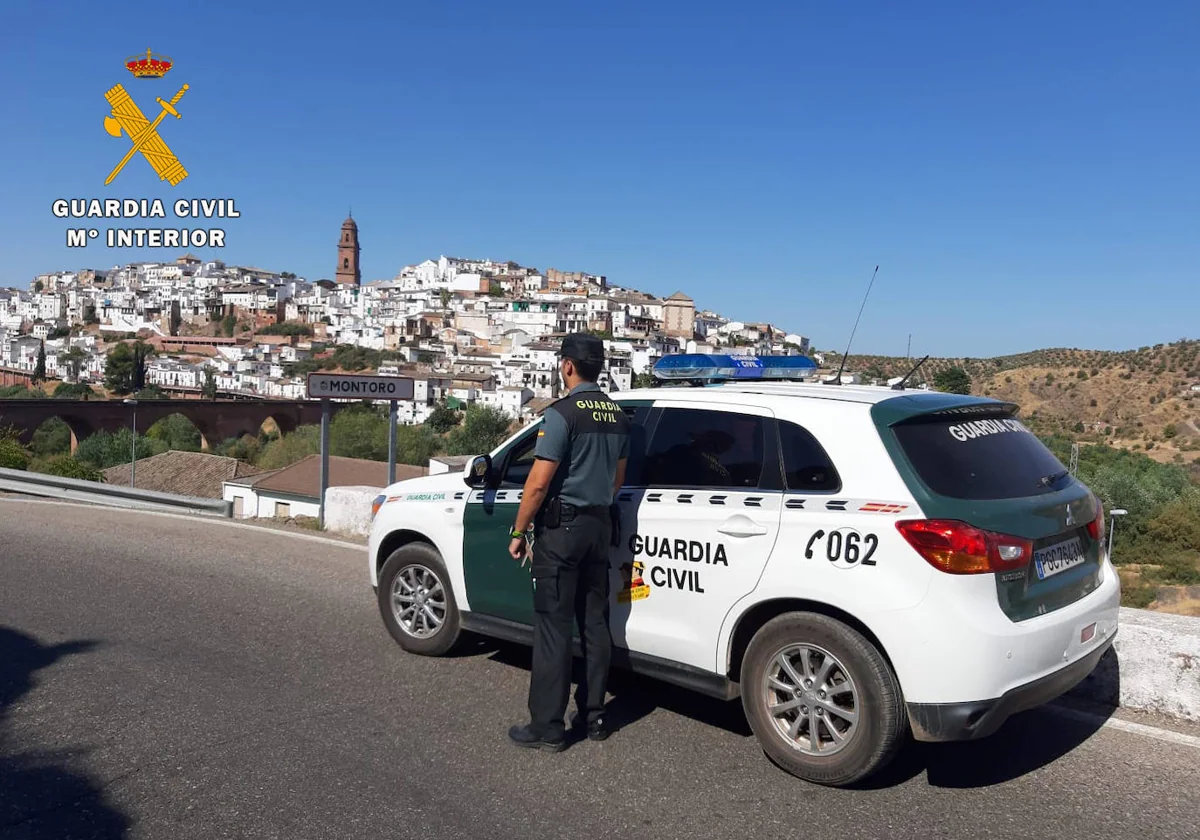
[[1154, 667]]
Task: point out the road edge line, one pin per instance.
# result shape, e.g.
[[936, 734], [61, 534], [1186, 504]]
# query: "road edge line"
[[1168, 735]]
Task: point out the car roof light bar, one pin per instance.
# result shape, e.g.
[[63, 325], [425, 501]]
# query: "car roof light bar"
[[705, 367]]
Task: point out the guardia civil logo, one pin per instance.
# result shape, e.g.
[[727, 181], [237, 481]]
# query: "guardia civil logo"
[[128, 120]]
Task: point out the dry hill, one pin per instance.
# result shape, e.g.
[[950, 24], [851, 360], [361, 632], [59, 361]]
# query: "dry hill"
[[1136, 399]]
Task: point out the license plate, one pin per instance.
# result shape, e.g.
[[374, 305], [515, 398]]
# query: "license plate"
[[1053, 559]]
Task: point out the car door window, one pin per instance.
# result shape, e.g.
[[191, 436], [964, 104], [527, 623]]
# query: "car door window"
[[519, 460], [639, 416], [806, 466], [704, 448]]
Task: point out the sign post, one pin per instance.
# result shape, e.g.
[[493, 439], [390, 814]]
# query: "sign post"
[[325, 412], [391, 443], [352, 386]]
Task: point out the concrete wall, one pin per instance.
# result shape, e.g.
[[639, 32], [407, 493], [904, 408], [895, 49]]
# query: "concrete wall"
[[1154, 666], [348, 509]]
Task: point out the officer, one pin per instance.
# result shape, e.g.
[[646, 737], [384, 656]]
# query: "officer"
[[579, 465]]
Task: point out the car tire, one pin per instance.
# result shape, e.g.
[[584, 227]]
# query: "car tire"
[[858, 707], [413, 577]]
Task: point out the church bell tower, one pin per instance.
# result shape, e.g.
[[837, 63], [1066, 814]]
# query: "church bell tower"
[[348, 250]]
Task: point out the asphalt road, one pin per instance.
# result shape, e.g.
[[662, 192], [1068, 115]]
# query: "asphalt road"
[[172, 678]]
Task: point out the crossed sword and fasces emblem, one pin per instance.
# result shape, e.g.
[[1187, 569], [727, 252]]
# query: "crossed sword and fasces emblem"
[[144, 134]]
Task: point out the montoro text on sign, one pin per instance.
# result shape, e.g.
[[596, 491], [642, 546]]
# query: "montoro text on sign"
[[359, 386]]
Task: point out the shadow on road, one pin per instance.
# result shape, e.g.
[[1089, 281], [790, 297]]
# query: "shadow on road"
[[634, 697], [1026, 742], [40, 796]]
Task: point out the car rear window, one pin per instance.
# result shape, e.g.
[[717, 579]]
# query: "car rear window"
[[992, 456]]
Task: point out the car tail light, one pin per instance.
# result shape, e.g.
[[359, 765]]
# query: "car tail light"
[[961, 549], [1095, 528]]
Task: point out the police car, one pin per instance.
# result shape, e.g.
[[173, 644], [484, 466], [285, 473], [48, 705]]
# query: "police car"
[[859, 564]]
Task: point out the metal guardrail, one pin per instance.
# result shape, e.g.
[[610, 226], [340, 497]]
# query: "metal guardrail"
[[111, 495]]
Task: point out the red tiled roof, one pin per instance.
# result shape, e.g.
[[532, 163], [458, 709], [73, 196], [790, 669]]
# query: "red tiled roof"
[[303, 478], [184, 473]]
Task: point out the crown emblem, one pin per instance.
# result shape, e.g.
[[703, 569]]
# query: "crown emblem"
[[149, 66]]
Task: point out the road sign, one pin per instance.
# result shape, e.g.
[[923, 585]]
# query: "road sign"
[[350, 386]]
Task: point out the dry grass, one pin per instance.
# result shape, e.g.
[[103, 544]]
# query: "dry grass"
[[1137, 399]]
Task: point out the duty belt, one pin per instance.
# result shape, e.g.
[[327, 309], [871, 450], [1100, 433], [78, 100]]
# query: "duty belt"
[[570, 511]]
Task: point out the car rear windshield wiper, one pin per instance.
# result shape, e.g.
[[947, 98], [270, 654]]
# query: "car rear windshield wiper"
[[1053, 478]]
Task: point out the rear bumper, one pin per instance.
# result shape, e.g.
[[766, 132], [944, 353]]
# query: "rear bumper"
[[979, 719]]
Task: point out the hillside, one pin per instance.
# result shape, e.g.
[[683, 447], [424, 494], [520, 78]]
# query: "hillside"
[[1134, 399]]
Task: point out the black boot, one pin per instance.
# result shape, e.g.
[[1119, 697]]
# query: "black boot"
[[596, 730], [523, 736]]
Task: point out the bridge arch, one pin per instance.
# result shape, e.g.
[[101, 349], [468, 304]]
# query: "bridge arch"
[[216, 420]]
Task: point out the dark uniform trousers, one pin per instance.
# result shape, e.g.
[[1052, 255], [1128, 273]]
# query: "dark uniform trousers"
[[570, 585]]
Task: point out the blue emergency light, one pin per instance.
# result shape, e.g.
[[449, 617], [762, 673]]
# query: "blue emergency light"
[[708, 367]]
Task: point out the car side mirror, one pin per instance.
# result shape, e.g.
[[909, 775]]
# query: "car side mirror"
[[478, 471]]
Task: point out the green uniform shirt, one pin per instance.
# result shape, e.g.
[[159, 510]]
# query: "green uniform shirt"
[[586, 433]]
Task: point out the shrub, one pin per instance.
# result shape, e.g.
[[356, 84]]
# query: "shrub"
[[12, 455], [1178, 568], [108, 449], [68, 467], [1139, 595]]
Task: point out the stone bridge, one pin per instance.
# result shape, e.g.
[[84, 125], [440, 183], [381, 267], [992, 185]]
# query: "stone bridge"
[[217, 420]]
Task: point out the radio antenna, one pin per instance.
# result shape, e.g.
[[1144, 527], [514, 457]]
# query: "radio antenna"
[[899, 386], [837, 380]]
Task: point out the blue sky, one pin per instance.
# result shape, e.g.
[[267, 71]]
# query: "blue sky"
[[1026, 174]]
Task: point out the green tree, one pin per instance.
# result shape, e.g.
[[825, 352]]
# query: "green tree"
[[75, 391], [39, 369], [176, 432], [643, 380], [108, 449], [286, 328], [209, 389], [443, 418], [21, 392], [228, 323], [953, 380], [51, 438], [125, 368], [416, 445], [290, 448], [72, 361], [359, 432], [247, 448], [482, 430]]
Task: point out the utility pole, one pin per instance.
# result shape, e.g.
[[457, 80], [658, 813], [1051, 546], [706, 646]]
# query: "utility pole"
[[908, 352], [133, 446]]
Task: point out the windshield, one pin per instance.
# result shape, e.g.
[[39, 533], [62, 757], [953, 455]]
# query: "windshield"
[[989, 457]]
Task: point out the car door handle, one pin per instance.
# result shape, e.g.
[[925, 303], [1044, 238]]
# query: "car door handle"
[[741, 526]]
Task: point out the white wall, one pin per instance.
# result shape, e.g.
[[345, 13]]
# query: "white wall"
[[256, 505]]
